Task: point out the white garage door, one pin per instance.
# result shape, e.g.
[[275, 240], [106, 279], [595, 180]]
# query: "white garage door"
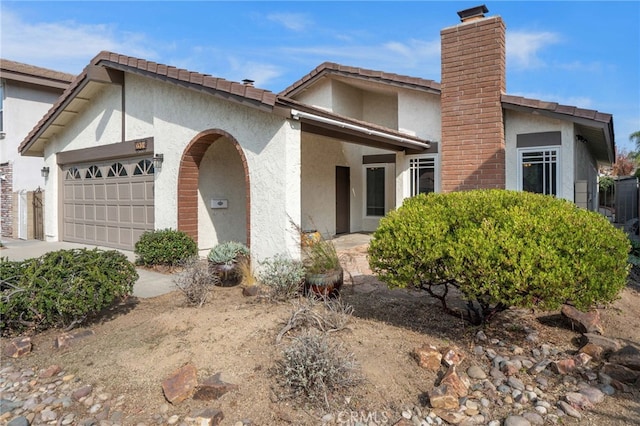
[[108, 204]]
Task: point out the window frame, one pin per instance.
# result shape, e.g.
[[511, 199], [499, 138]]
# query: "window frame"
[[365, 168], [436, 172], [2, 93], [557, 149]]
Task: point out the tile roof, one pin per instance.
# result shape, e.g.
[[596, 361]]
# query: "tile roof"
[[553, 107], [13, 67], [235, 91], [363, 74]]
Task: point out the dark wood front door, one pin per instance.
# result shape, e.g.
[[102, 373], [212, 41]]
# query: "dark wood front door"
[[342, 200]]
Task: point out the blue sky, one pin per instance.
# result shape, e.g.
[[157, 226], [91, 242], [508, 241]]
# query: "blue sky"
[[585, 54]]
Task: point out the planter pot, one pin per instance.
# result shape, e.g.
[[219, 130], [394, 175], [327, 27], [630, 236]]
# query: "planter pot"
[[324, 284], [229, 274]]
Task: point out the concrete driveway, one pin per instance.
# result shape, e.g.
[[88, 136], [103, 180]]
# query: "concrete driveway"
[[150, 284]]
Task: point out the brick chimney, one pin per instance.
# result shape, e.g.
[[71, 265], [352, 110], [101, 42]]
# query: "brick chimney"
[[473, 80]]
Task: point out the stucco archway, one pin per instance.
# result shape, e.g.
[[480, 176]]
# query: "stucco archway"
[[190, 175]]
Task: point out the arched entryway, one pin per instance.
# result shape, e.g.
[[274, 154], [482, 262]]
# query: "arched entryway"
[[213, 190]]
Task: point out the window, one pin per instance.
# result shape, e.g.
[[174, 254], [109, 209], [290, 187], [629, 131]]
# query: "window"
[[144, 167], [375, 181], [422, 175], [117, 169], [93, 172], [72, 174], [539, 170]]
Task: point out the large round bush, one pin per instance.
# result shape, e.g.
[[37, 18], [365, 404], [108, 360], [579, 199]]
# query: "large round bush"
[[164, 247], [501, 248], [61, 288]]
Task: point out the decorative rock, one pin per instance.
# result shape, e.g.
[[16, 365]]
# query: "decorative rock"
[[209, 417], [509, 368], [594, 351], [451, 417], [582, 359], [48, 415], [18, 347], [452, 356], [213, 388], [569, 410], [608, 345], [620, 373], [82, 392], [515, 383], [594, 395], [534, 418], [50, 372], [516, 421], [250, 291], [481, 336], [173, 419], [441, 397], [428, 357], [181, 384], [475, 372], [564, 366], [629, 356], [454, 382], [19, 421], [585, 322], [578, 400], [66, 339]]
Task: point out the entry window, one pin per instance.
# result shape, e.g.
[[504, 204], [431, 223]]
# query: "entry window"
[[422, 173], [539, 170], [375, 181]]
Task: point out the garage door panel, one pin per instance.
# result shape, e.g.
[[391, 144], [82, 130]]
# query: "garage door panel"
[[113, 211]]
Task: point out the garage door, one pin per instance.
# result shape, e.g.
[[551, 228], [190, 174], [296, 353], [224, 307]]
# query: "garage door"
[[108, 204]]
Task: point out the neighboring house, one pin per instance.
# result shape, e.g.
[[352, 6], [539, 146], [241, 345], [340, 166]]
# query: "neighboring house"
[[26, 94], [133, 145]]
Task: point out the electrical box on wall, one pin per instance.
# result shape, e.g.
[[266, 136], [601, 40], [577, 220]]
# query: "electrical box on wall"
[[219, 204]]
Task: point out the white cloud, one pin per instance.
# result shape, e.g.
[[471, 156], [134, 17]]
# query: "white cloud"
[[523, 48], [65, 45], [261, 73], [291, 21]]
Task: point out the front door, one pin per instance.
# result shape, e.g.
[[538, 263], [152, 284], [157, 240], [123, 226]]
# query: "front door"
[[342, 200]]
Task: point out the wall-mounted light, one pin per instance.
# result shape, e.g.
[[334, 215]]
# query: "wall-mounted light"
[[44, 172], [157, 161]]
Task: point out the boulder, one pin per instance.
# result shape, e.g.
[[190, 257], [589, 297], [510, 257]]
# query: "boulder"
[[584, 322], [456, 384], [620, 373], [213, 388], [18, 347], [181, 384], [452, 356], [209, 417], [608, 345], [428, 357], [66, 339], [442, 397], [629, 356]]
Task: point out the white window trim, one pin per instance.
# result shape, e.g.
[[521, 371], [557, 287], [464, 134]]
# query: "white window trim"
[[407, 181], [558, 151], [364, 185]]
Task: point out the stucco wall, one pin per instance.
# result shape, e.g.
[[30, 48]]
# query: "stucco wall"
[[419, 114], [24, 105], [587, 170], [521, 123], [346, 100], [318, 95]]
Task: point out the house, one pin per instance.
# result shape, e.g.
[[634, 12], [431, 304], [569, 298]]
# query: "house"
[[133, 145], [26, 94]]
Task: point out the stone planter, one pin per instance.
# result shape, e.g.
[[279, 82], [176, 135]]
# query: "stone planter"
[[324, 284]]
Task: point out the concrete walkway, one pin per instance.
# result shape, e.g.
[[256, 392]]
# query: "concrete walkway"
[[150, 284]]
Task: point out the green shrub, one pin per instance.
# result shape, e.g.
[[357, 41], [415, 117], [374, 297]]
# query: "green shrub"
[[228, 252], [499, 249], [62, 288], [283, 276], [164, 247]]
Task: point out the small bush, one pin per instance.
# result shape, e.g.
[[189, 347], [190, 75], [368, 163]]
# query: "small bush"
[[62, 288], [196, 281], [228, 252], [313, 367], [283, 277], [500, 249], [326, 315], [164, 247]]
